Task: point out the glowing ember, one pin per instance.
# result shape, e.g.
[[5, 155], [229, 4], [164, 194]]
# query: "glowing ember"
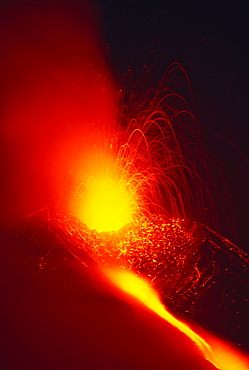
[[219, 354], [184, 260]]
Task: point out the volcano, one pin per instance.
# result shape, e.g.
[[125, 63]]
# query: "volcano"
[[60, 312]]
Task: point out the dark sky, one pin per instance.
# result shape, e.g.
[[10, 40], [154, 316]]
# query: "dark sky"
[[131, 26], [183, 28]]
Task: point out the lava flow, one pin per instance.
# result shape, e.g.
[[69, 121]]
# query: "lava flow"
[[219, 354], [154, 246], [158, 249]]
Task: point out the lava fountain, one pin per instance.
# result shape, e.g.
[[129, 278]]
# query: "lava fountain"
[[106, 200], [129, 212]]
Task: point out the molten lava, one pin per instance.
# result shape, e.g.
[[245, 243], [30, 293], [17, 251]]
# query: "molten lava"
[[221, 355]]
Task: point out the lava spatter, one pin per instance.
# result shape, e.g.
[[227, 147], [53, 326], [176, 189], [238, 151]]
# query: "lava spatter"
[[194, 269]]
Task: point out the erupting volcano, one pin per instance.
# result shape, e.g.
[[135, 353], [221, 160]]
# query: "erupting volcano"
[[129, 213], [123, 173]]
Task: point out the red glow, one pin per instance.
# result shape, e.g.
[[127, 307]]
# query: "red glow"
[[50, 97]]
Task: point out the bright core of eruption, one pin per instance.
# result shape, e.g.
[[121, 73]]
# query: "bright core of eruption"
[[107, 204], [106, 199]]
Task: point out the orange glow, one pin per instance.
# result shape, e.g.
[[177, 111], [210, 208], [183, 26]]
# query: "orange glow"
[[221, 355], [46, 106]]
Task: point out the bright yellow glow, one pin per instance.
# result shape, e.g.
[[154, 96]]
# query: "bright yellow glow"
[[108, 205], [220, 355], [227, 357], [105, 198]]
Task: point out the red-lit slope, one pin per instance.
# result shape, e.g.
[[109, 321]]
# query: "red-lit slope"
[[59, 314]]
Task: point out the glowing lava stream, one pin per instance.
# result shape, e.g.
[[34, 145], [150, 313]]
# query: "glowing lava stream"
[[221, 355]]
